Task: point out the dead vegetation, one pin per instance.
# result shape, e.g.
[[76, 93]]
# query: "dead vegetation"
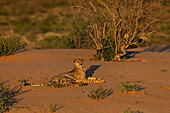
[[119, 25]]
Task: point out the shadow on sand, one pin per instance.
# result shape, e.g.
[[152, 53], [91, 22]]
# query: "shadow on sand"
[[8, 95], [22, 50], [158, 48], [90, 71]]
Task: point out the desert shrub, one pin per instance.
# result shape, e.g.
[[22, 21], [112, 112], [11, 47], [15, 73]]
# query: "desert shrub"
[[99, 93], [9, 43], [57, 42], [53, 108], [76, 25], [117, 25], [64, 42], [78, 31], [164, 70], [128, 110], [106, 54], [47, 42], [58, 23], [127, 87]]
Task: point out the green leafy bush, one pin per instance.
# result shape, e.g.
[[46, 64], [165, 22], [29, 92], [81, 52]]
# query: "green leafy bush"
[[53, 108], [106, 54], [127, 87], [99, 94], [164, 70], [63, 42], [76, 29], [9, 44]]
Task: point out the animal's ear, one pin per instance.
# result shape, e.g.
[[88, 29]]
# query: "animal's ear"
[[82, 60], [74, 60]]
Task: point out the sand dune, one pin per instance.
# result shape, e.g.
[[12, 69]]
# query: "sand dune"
[[38, 64]]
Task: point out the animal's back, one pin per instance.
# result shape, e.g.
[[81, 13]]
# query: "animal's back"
[[76, 75], [64, 76]]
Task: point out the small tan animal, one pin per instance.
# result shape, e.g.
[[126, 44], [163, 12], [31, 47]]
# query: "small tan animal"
[[76, 76]]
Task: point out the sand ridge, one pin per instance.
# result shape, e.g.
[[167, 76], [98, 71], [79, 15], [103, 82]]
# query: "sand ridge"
[[38, 64]]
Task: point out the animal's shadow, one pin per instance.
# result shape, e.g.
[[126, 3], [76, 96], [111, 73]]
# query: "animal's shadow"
[[90, 71]]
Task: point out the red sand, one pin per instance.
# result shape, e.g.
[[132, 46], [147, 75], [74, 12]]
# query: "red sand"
[[46, 63]]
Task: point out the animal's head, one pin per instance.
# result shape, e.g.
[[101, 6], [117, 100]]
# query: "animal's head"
[[79, 63]]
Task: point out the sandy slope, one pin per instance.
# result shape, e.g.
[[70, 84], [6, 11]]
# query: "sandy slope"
[[45, 63]]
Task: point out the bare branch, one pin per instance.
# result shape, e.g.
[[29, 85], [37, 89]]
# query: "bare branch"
[[104, 27], [121, 25], [102, 13], [93, 37], [93, 6], [156, 20], [81, 8]]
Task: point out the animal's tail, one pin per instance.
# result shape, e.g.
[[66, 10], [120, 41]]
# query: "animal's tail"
[[31, 84], [37, 85]]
